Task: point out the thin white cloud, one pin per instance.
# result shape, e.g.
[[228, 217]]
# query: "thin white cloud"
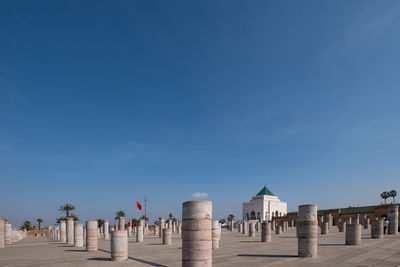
[[200, 195]]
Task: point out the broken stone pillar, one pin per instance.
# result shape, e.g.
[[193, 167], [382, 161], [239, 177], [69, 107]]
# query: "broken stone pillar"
[[78, 235], [162, 226], [196, 234], [356, 219], [105, 230], [240, 228], [278, 229], [353, 234], [63, 231], [156, 230], [266, 232], [393, 216], [307, 230], [119, 245], [7, 233], [377, 228], [216, 234], [121, 224], [139, 234], [129, 231], [329, 221], [324, 228], [2, 241], [366, 223], [252, 230], [179, 229], [342, 227], [167, 236], [91, 236], [245, 227], [70, 231], [348, 222], [273, 224]]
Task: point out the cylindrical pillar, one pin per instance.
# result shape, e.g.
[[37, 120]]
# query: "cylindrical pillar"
[[307, 230], [78, 235], [63, 231], [245, 227], [7, 233], [167, 236], [240, 228], [393, 216], [353, 234], [216, 234], [162, 226], [119, 245], [2, 243], [278, 228], [196, 234], [91, 236], [266, 232], [70, 231], [366, 223], [252, 230], [377, 228], [324, 228], [105, 230], [342, 227], [121, 225], [139, 233]]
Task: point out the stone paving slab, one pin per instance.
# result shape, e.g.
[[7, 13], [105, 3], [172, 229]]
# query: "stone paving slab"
[[235, 250]]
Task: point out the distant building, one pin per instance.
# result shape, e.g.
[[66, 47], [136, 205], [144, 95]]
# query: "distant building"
[[264, 206]]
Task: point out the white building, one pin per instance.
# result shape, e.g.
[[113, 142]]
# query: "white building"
[[264, 206]]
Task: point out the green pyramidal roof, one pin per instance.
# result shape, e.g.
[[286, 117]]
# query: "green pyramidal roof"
[[265, 191]]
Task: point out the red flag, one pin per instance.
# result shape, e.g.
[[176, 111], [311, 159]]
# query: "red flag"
[[129, 223], [138, 205]]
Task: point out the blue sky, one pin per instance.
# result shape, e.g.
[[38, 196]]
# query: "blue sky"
[[104, 102]]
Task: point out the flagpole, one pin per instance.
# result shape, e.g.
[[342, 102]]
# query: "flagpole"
[[145, 207]]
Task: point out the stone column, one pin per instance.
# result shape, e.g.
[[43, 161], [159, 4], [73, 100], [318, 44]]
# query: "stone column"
[[278, 229], [63, 231], [252, 230], [353, 234], [342, 226], [139, 234], [245, 227], [348, 222], [105, 230], [266, 232], [324, 228], [119, 245], [196, 234], [393, 216], [167, 236], [2, 241], [307, 230], [179, 229], [162, 226], [70, 231], [129, 231], [377, 228], [7, 233], [240, 228], [78, 235], [156, 230], [121, 224], [216, 234], [91, 236], [273, 224], [366, 223]]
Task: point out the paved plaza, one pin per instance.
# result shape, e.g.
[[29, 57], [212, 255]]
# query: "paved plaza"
[[235, 249]]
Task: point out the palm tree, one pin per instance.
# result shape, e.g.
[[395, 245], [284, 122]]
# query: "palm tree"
[[144, 218], [74, 216], [27, 225], [60, 219], [118, 215], [39, 222], [393, 194], [170, 216], [384, 195], [67, 207], [135, 222], [100, 222], [222, 221], [231, 217]]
